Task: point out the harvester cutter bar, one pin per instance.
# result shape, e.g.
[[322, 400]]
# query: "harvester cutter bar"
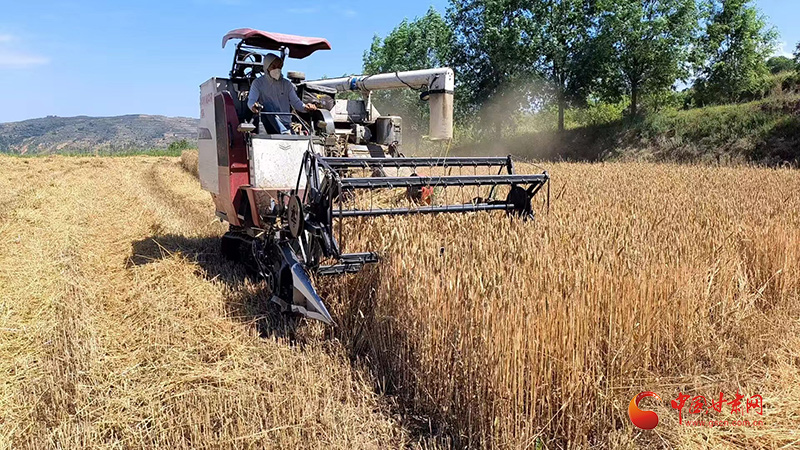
[[456, 180], [352, 163], [349, 263], [423, 210]]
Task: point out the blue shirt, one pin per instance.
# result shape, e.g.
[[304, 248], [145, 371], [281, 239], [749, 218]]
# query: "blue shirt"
[[275, 96]]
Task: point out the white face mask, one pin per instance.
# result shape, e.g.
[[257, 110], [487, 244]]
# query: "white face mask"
[[275, 74]]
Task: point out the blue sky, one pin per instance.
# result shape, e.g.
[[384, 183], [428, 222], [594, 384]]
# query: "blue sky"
[[103, 58]]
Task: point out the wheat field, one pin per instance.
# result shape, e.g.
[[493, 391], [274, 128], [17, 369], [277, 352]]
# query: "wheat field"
[[122, 327]]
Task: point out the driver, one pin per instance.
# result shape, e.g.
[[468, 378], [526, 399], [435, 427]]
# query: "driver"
[[273, 93]]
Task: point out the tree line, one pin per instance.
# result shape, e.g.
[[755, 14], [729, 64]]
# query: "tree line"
[[516, 55]]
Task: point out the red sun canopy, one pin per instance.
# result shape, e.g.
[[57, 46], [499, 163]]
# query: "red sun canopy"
[[299, 46]]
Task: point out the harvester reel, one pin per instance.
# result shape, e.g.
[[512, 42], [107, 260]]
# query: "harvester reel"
[[290, 254]]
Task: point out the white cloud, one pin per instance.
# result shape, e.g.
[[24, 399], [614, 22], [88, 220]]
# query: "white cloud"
[[350, 13], [15, 59], [784, 49], [310, 10]]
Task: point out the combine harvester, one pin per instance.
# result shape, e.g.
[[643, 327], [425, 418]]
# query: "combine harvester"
[[287, 197]]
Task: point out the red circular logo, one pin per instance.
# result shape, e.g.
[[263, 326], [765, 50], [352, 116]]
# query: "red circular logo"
[[646, 420]]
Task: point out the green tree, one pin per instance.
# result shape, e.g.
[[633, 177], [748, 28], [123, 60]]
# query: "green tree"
[[797, 56], [493, 59], [422, 43], [566, 47], [778, 64], [736, 46], [647, 45]]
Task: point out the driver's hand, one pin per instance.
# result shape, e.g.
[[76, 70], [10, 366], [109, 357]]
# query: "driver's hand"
[[257, 107], [311, 107]]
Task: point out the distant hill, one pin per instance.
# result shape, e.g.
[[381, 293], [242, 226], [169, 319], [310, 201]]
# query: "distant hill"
[[53, 134]]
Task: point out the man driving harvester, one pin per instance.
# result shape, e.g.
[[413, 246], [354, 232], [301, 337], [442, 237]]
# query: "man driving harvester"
[[271, 93]]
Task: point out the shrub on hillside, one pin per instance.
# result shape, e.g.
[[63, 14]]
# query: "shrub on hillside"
[[790, 82], [179, 146], [778, 64], [599, 113]]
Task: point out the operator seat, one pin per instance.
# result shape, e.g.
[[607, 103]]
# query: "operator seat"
[[242, 88]]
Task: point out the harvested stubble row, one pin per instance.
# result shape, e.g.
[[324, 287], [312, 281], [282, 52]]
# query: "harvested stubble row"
[[120, 327]]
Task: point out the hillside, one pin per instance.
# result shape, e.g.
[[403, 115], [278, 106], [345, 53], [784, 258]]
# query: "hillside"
[[84, 134], [121, 326], [762, 132]]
